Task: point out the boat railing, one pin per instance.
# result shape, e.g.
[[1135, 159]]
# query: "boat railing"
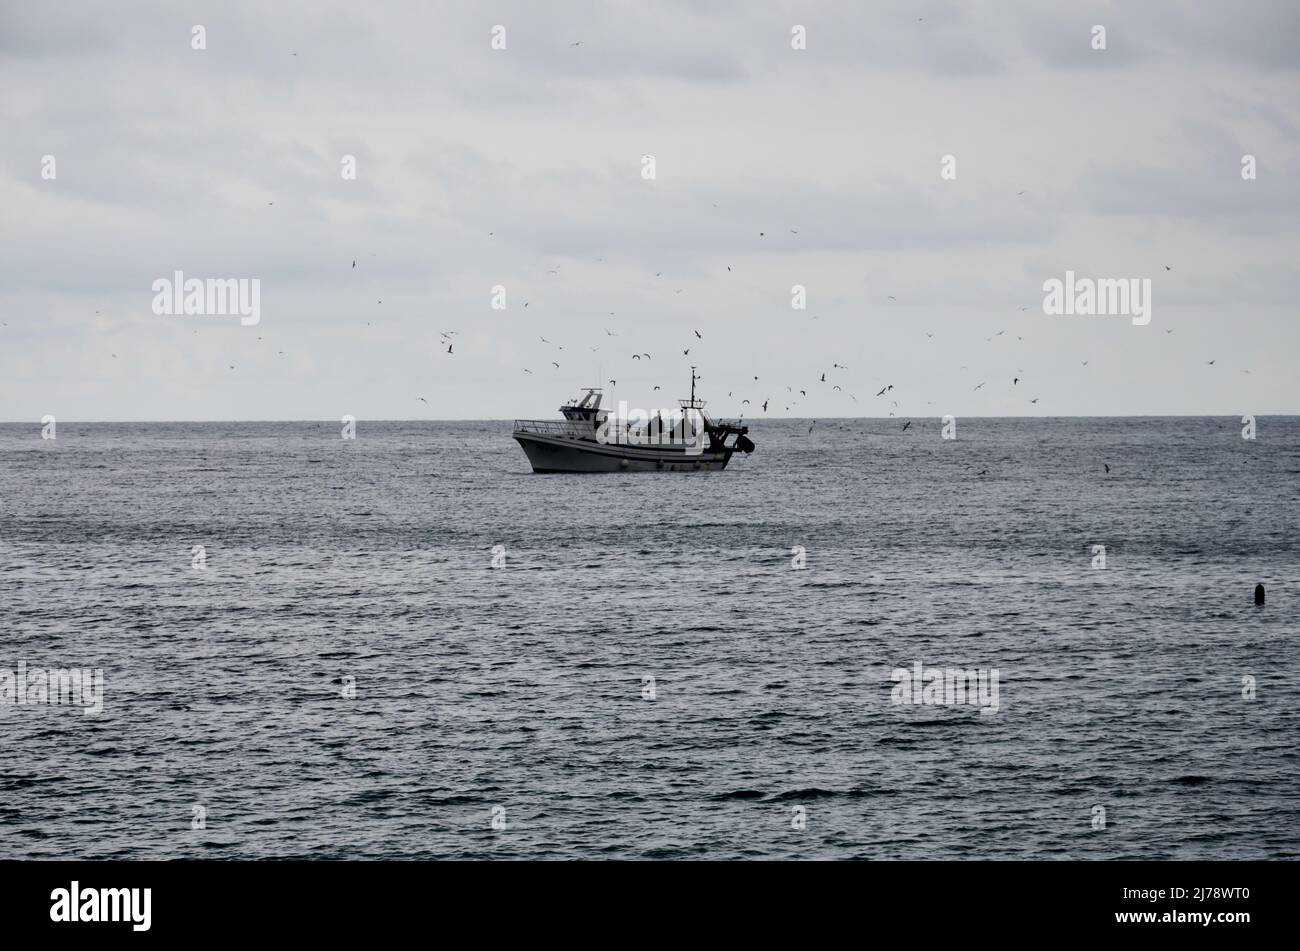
[[567, 429]]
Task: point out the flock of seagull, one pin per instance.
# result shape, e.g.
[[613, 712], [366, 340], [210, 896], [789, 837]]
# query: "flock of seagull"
[[791, 390], [793, 393]]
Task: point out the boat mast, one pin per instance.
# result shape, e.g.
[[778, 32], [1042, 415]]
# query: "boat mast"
[[690, 404]]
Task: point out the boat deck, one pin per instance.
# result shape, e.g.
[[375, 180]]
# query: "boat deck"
[[565, 428]]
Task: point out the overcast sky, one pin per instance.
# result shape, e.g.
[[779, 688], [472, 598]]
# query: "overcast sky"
[[523, 167]]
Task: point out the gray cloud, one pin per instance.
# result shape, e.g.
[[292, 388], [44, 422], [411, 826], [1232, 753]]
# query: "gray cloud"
[[479, 167]]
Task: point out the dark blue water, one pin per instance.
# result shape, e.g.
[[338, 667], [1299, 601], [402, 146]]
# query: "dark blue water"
[[521, 687]]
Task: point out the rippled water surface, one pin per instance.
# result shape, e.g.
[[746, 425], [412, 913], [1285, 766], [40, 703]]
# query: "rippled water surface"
[[521, 687]]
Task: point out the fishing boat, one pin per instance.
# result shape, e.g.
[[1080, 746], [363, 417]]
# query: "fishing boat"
[[591, 439]]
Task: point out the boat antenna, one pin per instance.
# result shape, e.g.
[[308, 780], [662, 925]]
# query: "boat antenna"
[[692, 386]]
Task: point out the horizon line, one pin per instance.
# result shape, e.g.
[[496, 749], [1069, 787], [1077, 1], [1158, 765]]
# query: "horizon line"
[[503, 419]]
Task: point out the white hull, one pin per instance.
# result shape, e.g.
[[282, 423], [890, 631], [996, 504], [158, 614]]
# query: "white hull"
[[560, 454]]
